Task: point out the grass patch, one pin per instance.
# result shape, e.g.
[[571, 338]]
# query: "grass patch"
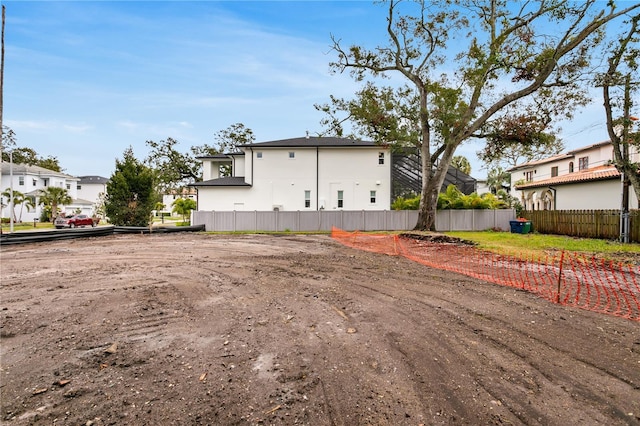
[[27, 226], [525, 245]]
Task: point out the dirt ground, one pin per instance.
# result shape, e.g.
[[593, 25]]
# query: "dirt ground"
[[191, 329]]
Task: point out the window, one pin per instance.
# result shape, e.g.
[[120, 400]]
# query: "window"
[[292, 154], [554, 171], [307, 199], [35, 182], [372, 197], [68, 186], [340, 199], [45, 182], [21, 180], [79, 187], [258, 154], [571, 167], [381, 158], [583, 163], [528, 176]]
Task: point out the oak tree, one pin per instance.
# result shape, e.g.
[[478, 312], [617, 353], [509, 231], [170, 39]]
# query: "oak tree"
[[470, 62]]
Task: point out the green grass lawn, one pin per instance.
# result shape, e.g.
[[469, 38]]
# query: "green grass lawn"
[[27, 226], [524, 245]]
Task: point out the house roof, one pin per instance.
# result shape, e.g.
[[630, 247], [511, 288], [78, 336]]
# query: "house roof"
[[22, 169], [225, 181], [219, 156], [568, 154], [88, 180], [589, 175], [312, 142]]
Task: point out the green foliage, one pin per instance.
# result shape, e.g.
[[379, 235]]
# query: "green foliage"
[[174, 169], [401, 203], [484, 45], [51, 198], [461, 163], [130, 193], [183, 207], [233, 136], [19, 199], [520, 136], [535, 244], [452, 198]]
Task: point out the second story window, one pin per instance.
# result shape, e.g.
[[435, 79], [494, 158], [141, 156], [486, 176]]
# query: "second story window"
[[571, 167], [69, 186], [528, 176], [79, 187], [292, 154], [258, 154], [583, 163], [381, 158], [372, 197], [554, 171], [21, 180], [307, 199], [35, 182], [340, 199]]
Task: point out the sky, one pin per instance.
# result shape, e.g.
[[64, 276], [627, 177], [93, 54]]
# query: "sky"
[[85, 80]]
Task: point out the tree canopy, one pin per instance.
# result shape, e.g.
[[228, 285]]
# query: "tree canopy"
[[52, 197], [174, 169], [467, 67], [620, 85], [130, 192], [24, 155]]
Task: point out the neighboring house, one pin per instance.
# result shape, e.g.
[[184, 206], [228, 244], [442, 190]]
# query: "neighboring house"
[[482, 187], [171, 196], [30, 180], [582, 179], [91, 190], [308, 173]]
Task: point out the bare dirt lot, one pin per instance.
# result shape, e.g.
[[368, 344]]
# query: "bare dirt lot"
[[190, 329]]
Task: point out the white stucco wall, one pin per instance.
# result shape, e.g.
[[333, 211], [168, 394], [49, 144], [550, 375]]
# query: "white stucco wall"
[[593, 196], [32, 182], [280, 181]]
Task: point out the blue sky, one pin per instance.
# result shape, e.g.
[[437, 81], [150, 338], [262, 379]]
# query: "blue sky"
[[85, 80]]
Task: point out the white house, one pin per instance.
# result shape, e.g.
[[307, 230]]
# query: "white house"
[[30, 180], [582, 179], [173, 195], [308, 173], [91, 190]]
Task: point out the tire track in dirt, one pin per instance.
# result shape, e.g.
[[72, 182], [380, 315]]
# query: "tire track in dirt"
[[549, 376]]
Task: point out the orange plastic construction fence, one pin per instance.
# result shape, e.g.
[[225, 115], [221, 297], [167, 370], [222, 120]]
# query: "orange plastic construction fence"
[[566, 278]]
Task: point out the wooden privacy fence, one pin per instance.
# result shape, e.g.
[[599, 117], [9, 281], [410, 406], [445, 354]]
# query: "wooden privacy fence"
[[603, 224]]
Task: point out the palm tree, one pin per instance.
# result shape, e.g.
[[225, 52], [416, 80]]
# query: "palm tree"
[[21, 199], [54, 196], [461, 163]]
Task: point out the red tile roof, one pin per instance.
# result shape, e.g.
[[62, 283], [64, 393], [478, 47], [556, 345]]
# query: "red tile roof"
[[593, 174]]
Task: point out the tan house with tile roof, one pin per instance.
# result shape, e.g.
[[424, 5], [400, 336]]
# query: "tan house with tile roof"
[[582, 179]]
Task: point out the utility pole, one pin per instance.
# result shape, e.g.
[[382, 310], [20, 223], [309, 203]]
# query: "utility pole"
[[1, 98]]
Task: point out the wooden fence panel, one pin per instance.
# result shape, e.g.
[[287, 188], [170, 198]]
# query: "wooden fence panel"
[[604, 224]]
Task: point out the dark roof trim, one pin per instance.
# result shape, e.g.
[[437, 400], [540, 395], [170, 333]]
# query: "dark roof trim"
[[312, 142], [221, 182]]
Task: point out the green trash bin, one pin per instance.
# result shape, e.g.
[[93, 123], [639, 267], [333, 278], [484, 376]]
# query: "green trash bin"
[[520, 226]]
